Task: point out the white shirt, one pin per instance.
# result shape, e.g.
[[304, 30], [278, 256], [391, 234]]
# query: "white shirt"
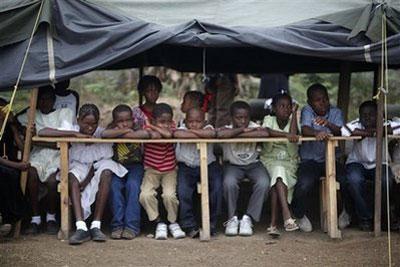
[[189, 154], [241, 153], [364, 150], [68, 101], [60, 119]]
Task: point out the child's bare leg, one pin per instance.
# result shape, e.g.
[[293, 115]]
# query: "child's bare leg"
[[75, 194], [102, 194], [282, 193], [33, 190], [52, 195], [274, 206]]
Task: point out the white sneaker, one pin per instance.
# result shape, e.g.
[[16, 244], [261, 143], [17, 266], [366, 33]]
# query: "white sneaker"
[[161, 231], [344, 219], [232, 226], [304, 224], [246, 226], [176, 231]]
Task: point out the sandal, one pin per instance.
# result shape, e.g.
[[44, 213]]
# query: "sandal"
[[290, 225], [273, 231]]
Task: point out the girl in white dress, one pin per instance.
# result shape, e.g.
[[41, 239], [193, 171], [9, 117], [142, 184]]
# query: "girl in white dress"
[[90, 170]]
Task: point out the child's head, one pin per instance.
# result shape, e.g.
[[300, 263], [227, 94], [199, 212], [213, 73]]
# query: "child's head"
[[88, 119], [192, 99], [122, 117], [240, 114], [46, 99], [162, 116], [318, 99], [150, 87], [282, 106], [195, 119], [62, 86], [368, 114]]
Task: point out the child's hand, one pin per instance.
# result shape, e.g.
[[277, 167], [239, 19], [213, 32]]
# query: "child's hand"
[[155, 135], [248, 130], [293, 138], [81, 135], [321, 121], [22, 166], [322, 136], [295, 107]]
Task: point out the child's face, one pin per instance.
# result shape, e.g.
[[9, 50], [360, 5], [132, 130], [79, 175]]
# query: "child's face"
[[195, 120], [123, 120], [151, 94], [319, 102], [368, 117], [164, 121], [186, 104], [240, 118], [87, 124], [283, 109], [46, 103]]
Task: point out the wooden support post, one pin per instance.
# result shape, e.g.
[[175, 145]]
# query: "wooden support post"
[[322, 206], [27, 148], [140, 77], [378, 169], [330, 165], [205, 207], [375, 82], [344, 89], [63, 234]]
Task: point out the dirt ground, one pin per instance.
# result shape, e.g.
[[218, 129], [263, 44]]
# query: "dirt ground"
[[292, 249]]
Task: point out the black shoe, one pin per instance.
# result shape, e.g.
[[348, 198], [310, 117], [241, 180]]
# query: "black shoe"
[[52, 228], [193, 233], [33, 229], [79, 237], [365, 226], [97, 235]]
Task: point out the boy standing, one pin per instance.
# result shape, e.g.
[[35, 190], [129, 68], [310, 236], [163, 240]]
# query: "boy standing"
[[242, 161], [188, 158], [320, 120], [160, 169], [124, 193]]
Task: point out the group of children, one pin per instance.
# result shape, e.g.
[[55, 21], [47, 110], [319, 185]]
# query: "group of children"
[[129, 175]]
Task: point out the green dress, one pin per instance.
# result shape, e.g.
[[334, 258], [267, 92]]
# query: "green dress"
[[280, 158]]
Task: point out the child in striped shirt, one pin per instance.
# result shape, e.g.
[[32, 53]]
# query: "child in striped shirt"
[[160, 169]]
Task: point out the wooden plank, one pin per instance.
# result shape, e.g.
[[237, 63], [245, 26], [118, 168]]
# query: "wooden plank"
[[323, 201], [63, 234], [231, 140], [205, 207], [378, 169], [27, 147], [330, 161]]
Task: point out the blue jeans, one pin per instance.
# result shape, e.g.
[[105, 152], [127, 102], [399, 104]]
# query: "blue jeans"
[[357, 176], [187, 185], [124, 196]]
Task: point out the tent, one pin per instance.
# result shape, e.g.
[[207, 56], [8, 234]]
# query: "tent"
[[244, 36]]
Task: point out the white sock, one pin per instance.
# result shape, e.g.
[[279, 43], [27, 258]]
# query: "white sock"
[[95, 224], [36, 219], [50, 217], [81, 225]]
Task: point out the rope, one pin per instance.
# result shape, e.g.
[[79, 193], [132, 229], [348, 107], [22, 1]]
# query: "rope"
[[8, 108]]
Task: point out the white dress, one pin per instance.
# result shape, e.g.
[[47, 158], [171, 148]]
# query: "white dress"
[[46, 161], [82, 157]]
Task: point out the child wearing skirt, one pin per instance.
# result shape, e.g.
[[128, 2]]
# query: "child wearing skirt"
[[90, 171], [281, 159]]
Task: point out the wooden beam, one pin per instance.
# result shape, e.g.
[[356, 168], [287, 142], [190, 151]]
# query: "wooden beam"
[[378, 169], [331, 205], [376, 82], [205, 207], [27, 147], [344, 89], [63, 234], [140, 77]]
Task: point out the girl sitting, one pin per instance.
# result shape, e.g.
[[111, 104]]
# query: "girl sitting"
[[90, 171], [281, 159]]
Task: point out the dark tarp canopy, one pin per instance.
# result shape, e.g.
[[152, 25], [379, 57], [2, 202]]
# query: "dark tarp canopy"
[[75, 37]]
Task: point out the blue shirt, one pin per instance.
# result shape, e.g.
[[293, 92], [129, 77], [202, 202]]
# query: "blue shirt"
[[315, 150]]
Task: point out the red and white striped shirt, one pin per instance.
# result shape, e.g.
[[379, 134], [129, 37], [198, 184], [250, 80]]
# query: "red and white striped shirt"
[[160, 157]]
